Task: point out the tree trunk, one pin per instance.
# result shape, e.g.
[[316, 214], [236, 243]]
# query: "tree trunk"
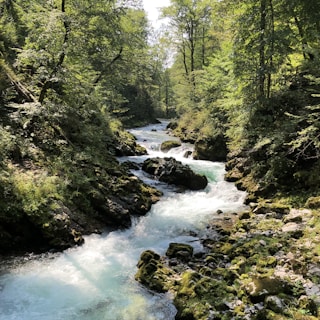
[[262, 45], [270, 67], [22, 91]]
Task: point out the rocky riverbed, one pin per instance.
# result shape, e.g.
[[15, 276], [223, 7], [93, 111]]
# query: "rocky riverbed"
[[259, 264]]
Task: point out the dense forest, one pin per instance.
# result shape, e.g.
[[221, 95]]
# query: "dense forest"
[[239, 79]]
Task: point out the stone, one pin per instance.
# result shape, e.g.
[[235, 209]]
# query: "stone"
[[274, 303], [171, 171], [294, 229], [296, 215], [180, 251], [212, 149], [260, 287], [313, 203], [152, 272], [168, 145]]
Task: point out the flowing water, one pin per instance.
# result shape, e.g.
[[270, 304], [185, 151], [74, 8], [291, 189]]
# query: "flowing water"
[[96, 281]]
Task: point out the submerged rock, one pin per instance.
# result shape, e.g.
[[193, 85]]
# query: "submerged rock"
[[171, 171]]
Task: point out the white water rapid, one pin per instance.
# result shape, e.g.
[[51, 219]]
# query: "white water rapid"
[[96, 281]]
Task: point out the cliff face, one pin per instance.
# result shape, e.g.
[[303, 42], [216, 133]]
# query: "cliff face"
[[60, 179]]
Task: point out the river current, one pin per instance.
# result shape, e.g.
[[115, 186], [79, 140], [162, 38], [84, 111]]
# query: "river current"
[[96, 281]]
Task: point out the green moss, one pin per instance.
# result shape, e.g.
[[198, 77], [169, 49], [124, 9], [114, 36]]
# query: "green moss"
[[153, 273], [167, 145]]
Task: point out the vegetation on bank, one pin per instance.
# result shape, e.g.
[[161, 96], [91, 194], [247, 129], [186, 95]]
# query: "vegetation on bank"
[[259, 264], [244, 85], [71, 75]]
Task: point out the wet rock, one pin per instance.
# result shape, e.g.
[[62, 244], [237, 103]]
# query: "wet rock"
[[187, 154], [180, 251], [171, 171], [168, 145], [152, 272]]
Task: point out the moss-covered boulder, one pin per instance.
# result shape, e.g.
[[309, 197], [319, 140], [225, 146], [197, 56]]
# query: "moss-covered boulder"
[[170, 144], [313, 203], [213, 148], [153, 273], [180, 251]]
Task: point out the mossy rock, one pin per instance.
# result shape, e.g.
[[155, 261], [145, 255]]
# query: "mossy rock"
[[198, 296], [180, 251], [213, 148], [259, 287], [170, 144], [313, 203], [153, 273]]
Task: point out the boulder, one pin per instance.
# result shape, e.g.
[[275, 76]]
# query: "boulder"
[[168, 145], [152, 272], [213, 149], [60, 232], [260, 287], [171, 171], [180, 251]]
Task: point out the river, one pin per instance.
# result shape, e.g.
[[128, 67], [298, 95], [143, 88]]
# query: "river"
[[96, 281]]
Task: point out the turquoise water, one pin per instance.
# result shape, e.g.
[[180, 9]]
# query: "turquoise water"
[[96, 281]]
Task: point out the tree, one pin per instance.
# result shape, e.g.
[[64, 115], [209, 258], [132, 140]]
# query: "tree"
[[190, 21]]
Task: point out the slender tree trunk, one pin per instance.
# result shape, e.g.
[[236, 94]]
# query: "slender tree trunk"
[[304, 44], [24, 93], [184, 57], [203, 49], [262, 45], [270, 67]]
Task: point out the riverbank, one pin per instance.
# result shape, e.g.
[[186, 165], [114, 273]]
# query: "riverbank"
[[259, 264], [262, 263], [60, 182]]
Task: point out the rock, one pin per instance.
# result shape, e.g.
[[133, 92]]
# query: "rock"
[[313, 203], [244, 215], [111, 211], [294, 229], [260, 287], [212, 149], [152, 272], [307, 303], [296, 215], [275, 304], [187, 154], [172, 125], [167, 145], [171, 171], [233, 175], [180, 251], [59, 231]]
